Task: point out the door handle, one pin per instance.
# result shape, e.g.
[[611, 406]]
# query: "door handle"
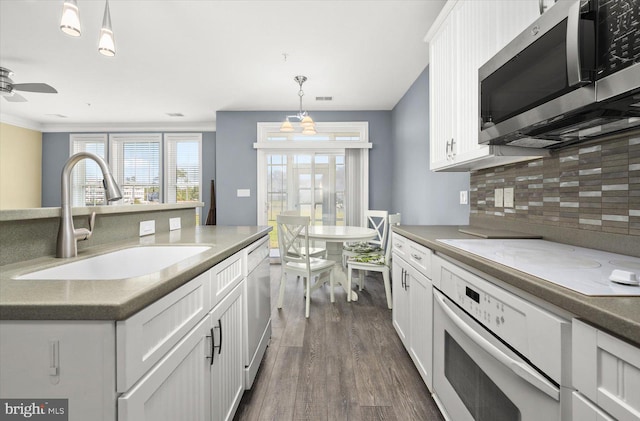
[[520, 369], [220, 329], [212, 347]]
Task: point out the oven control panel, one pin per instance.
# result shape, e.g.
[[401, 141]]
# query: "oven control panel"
[[533, 331]]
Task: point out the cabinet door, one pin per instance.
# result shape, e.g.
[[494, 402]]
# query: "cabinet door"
[[400, 299], [513, 18], [443, 91], [421, 318], [177, 387], [227, 371]]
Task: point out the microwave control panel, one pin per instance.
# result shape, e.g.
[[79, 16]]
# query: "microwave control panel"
[[618, 42]]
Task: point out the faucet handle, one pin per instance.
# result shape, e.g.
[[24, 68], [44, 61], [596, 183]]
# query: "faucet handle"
[[83, 233]]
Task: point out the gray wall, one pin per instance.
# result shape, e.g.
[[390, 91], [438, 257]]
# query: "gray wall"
[[422, 197], [55, 151], [236, 166]]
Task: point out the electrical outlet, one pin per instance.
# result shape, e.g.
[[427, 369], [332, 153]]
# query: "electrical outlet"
[[147, 228], [499, 198], [464, 198], [508, 197], [243, 193], [174, 224]]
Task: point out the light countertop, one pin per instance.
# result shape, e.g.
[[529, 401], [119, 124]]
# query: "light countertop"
[[618, 315], [121, 298]]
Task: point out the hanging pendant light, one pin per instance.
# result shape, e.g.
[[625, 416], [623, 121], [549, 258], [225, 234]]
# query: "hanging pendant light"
[[306, 122], [70, 21], [106, 44]]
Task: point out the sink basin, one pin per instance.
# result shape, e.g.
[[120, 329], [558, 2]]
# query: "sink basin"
[[120, 264]]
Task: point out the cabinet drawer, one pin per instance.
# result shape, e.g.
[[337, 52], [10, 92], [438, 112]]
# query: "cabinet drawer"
[[256, 252], [420, 258], [399, 244], [226, 275], [606, 370], [144, 338]]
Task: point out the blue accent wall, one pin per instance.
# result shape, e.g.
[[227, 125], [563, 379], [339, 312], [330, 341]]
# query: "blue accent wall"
[[236, 167], [422, 196]]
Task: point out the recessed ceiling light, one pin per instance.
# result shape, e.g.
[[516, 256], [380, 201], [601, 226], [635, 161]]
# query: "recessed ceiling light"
[[324, 98], [175, 114]]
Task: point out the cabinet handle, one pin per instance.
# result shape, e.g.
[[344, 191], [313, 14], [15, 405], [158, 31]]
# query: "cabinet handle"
[[453, 142], [220, 328], [447, 150], [416, 256], [402, 276], [212, 347], [398, 245], [541, 6]]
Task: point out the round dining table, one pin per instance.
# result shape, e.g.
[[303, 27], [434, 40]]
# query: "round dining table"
[[334, 236]]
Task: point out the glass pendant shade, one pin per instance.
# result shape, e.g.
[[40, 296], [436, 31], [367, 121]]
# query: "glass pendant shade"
[[307, 122], [286, 127], [107, 44], [70, 21], [309, 131]]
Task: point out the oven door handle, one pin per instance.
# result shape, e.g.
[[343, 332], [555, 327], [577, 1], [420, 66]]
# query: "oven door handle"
[[521, 369]]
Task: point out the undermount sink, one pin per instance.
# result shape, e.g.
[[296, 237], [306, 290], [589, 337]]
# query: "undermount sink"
[[120, 264]]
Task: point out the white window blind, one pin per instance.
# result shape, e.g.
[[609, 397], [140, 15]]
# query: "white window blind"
[[183, 168], [136, 161], [86, 175]]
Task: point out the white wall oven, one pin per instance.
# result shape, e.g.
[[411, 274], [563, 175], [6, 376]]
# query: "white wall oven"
[[496, 357]]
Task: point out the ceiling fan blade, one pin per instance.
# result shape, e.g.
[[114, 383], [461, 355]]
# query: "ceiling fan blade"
[[15, 98], [42, 88]]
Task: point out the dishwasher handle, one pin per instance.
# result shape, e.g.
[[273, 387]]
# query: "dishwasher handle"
[[522, 370]]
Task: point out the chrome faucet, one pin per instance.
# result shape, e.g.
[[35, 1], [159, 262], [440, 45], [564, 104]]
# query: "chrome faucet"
[[68, 236]]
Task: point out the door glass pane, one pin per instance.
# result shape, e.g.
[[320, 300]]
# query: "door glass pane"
[[306, 183], [480, 395]]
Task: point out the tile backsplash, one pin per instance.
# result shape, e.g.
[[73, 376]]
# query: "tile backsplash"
[[593, 186]]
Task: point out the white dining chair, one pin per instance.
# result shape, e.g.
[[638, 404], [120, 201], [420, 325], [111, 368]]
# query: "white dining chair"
[[312, 251], [379, 221], [374, 262], [293, 234]]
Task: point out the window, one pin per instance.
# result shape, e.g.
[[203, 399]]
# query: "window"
[[86, 175], [135, 163], [146, 169], [183, 157]]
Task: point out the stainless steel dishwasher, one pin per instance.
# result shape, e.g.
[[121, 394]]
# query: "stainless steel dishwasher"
[[257, 308]]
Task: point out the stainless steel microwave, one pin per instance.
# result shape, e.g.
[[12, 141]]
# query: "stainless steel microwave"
[[572, 75]]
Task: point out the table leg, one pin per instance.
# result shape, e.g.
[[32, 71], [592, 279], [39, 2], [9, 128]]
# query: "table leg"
[[334, 252]]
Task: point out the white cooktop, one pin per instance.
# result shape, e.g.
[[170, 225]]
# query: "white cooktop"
[[584, 270]]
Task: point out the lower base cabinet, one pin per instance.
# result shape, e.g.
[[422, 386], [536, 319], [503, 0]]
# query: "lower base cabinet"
[[412, 304], [201, 378]]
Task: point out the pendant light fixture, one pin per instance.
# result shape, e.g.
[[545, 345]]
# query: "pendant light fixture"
[[306, 122], [106, 44], [70, 21]]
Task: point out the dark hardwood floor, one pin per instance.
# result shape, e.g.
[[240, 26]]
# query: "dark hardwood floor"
[[345, 362]]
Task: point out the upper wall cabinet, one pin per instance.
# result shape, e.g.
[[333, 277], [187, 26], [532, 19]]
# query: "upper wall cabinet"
[[465, 36]]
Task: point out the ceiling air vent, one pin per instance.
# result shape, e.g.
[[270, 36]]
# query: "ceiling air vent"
[[175, 114], [324, 98]]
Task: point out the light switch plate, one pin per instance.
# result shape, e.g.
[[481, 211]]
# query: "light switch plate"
[[464, 197], [147, 228], [499, 198], [508, 197], [174, 224], [244, 193]]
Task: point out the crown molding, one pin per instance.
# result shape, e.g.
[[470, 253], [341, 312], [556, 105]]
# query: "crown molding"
[[20, 122]]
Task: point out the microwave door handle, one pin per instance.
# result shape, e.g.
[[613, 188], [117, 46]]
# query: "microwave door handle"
[[574, 75], [522, 370]]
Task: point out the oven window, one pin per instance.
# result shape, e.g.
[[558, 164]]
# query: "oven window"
[[531, 78], [483, 399]]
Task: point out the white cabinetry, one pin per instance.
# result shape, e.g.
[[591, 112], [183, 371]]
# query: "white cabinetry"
[[465, 36], [412, 302], [606, 375]]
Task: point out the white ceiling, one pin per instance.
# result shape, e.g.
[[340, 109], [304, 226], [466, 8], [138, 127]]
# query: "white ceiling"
[[197, 57]]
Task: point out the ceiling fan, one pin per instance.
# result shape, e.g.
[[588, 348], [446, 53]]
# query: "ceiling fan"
[[8, 88]]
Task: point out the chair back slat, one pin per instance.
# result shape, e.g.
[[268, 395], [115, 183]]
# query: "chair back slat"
[[379, 221], [293, 233]]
